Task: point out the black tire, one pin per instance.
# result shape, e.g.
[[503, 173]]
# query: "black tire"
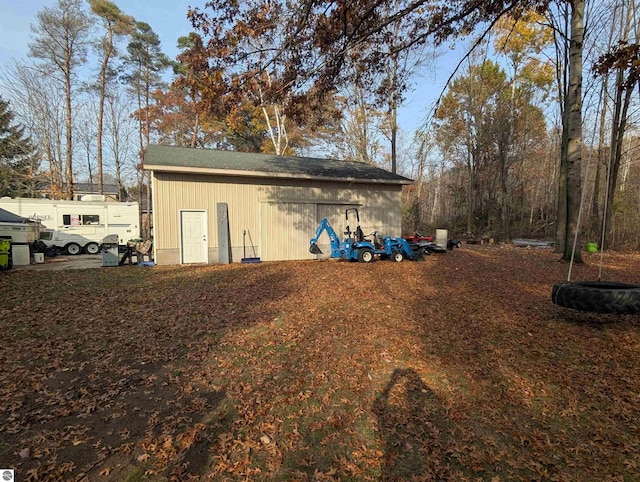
[[73, 249], [92, 248], [365, 255], [397, 256], [598, 297]]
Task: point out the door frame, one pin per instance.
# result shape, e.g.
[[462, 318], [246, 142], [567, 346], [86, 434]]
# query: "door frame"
[[206, 226]]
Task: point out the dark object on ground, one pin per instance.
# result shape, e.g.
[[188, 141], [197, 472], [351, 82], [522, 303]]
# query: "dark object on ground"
[[482, 240], [137, 249], [429, 248], [53, 251], [534, 243], [598, 297], [39, 247]]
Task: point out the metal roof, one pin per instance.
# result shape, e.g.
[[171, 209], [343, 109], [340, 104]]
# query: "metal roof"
[[8, 217], [210, 161]]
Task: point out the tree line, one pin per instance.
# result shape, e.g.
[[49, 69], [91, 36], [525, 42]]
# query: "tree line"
[[503, 154]]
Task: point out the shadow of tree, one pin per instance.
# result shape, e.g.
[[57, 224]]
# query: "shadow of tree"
[[411, 425], [116, 386]]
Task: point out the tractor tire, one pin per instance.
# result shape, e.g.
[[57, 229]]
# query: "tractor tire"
[[397, 256], [365, 255], [598, 297]]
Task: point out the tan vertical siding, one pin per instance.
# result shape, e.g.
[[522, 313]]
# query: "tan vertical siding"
[[254, 203], [285, 230]]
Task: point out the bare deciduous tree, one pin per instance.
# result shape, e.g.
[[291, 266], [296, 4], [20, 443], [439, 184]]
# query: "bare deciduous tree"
[[61, 41]]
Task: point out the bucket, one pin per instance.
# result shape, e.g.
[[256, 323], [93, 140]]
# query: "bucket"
[[592, 247], [38, 258]]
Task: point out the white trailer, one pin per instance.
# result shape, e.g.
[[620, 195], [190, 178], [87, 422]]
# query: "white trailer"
[[78, 225]]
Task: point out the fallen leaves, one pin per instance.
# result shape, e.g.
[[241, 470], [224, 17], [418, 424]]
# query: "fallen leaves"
[[455, 368]]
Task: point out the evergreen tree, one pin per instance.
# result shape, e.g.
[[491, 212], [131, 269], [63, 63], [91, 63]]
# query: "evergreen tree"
[[18, 163]]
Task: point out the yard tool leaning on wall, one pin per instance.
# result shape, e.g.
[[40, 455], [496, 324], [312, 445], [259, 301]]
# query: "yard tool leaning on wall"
[[244, 259]]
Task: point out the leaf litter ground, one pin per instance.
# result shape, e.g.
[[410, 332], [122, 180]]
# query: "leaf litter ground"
[[454, 368]]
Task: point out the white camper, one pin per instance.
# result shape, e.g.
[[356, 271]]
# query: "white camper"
[[78, 225]]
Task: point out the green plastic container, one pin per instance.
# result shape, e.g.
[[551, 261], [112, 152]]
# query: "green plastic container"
[[4, 261], [592, 247], [5, 245]]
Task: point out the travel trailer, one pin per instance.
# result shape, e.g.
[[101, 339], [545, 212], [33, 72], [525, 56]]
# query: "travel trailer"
[[78, 225]]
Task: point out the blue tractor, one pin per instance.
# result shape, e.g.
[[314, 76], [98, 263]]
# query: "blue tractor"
[[357, 247]]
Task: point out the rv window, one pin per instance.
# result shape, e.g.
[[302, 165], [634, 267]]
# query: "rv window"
[[78, 219], [71, 219], [90, 219], [46, 235]]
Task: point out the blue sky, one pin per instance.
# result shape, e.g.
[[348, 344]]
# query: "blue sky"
[[166, 17], [168, 20]]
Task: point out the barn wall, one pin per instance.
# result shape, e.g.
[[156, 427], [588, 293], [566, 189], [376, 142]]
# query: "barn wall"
[[280, 215]]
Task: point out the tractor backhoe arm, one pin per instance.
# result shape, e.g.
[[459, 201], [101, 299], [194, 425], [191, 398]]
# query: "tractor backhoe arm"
[[333, 237]]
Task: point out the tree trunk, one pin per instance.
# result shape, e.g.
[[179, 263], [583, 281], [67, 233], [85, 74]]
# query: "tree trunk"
[[618, 128], [394, 144], [562, 67], [196, 126], [393, 112], [69, 127], [572, 248], [561, 222], [596, 215], [504, 203], [103, 88], [617, 137], [470, 182], [436, 195], [147, 127]]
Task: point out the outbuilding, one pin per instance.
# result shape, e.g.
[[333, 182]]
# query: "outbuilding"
[[213, 206]]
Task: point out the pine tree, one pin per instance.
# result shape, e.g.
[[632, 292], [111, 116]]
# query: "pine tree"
[[18, 163]]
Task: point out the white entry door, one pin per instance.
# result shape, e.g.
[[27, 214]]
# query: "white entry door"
[[193, 235]]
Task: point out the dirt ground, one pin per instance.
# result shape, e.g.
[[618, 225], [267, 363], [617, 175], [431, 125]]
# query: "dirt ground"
[[82, 261]]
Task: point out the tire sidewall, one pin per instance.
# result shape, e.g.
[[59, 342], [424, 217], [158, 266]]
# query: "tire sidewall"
[[89, 247], [365, 255], [598, 297]]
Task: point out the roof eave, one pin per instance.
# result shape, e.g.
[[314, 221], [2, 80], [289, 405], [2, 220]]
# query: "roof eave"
[[262, 174]]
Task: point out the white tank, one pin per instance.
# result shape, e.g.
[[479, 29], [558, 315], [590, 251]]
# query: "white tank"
[[442, 236], [20, 255]]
